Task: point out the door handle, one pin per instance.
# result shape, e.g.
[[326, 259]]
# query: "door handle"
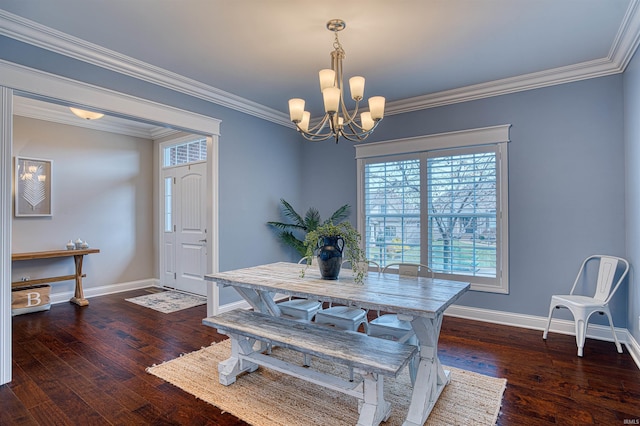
[[203, 241]]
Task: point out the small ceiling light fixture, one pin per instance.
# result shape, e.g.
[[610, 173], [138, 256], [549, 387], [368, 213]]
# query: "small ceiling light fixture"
[[340, 122], [87, 115]]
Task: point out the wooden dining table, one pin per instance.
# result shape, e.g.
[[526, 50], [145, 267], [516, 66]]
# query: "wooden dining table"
[[421, 301]]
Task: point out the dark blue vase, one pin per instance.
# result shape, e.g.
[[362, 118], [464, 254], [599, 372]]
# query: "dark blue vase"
[[330, 257]]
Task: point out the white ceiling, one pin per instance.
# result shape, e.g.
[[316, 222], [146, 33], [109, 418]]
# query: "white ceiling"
[[269, 51]]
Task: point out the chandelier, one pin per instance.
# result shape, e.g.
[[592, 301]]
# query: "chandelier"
[[337, 120]]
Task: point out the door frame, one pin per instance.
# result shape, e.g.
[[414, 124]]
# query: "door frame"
[[17, 79], [168, 142]]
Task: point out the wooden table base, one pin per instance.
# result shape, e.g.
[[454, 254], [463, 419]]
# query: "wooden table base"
[[78, 256]]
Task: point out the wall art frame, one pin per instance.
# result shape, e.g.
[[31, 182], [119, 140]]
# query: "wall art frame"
[[32, 187]]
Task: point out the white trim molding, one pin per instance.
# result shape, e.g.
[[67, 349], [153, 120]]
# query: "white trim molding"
[[46, 86], [492, 139], [64, 296], [458, 139], [620, 53], [41, 36], [594, 331], [6, 168], [16, 79], [634, 348], [32, 108]]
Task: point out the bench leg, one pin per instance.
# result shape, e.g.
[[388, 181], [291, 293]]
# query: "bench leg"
[[229, 369], [374, 409]]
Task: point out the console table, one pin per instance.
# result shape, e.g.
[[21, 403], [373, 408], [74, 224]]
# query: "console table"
[[78, 256]]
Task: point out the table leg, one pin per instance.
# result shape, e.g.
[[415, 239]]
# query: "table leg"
[[78, 297], [260, 301], [431, 378]]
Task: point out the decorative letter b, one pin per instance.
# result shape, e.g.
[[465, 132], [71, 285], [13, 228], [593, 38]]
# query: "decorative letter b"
[[33, 297]]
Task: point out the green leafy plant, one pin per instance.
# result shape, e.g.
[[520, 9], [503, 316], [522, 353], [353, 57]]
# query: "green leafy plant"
[[351, 252], [300, 226]]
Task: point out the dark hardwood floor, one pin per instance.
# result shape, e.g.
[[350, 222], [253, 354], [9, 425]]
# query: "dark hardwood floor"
[[86, 366]]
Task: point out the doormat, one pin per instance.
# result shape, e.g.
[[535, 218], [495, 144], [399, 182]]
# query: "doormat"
[[269, 398], [168, 301]]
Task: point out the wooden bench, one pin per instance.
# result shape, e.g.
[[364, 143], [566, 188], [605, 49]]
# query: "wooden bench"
[[370, 357]]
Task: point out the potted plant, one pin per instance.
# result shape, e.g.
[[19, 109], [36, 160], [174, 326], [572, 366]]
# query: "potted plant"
[[289, 233], [333, 242]]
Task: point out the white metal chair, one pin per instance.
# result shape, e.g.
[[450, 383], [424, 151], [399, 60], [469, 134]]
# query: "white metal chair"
[[346, 317], [389, 326], [582, 307], [300, 309]]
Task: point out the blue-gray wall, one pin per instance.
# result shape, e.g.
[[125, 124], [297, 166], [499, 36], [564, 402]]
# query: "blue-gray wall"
[[566, 176], [258, 164], [566, 182], [632, 157]]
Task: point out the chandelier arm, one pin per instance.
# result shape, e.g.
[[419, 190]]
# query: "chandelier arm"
[[359, 136], [314, 133], [316, 138], [318, 127], [355, 137], [351, 138], [356, 128], [350, 118]]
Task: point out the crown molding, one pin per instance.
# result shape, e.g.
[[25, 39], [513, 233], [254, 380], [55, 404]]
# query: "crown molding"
[[61, 90], [552, 77], [620, 53], [38, 35], [624, 46]]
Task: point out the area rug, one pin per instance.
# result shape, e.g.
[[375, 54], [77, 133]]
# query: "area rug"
[[168, 301], [270, 398]]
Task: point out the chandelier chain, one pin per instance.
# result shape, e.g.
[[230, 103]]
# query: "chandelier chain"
[[337, 46]]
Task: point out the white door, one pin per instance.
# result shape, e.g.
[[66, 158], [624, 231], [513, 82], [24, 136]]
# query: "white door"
[[185, 236]]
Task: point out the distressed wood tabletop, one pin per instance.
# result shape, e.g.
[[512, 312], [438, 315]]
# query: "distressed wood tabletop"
[[426, 297]]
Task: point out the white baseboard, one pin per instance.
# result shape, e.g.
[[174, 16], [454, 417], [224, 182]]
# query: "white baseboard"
[[634, 348], [594, 331], [104, 290]]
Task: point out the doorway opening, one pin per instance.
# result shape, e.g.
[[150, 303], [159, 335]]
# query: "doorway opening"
[[183, 238], [24, 81]]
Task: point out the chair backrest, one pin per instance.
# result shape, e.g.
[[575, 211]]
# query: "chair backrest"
[[409, 269], [368, 265], [605, 287]]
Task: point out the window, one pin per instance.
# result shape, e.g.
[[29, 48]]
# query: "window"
[[454, 185], [178, 152], [461, 212], [184, 153], [392, 209], [168, 202]]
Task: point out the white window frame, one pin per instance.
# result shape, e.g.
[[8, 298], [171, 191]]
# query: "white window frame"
[[424, 146], [184, 140]]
